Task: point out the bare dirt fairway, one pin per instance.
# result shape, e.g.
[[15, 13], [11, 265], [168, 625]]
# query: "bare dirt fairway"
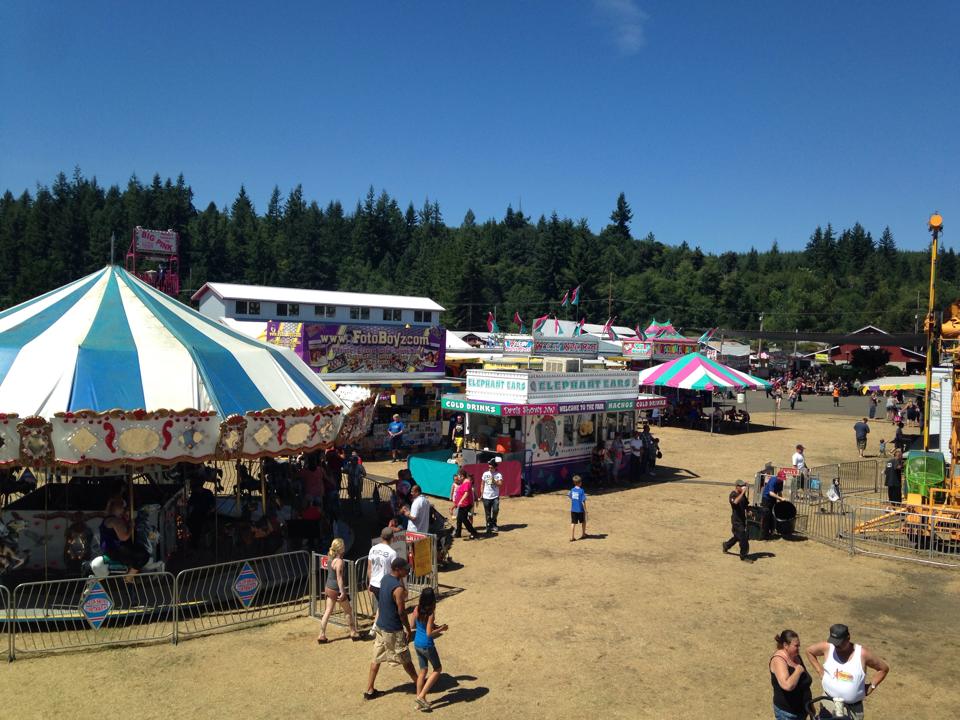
[[649, 620]]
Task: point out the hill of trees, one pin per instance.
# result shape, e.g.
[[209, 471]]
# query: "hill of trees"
[[844, 279]]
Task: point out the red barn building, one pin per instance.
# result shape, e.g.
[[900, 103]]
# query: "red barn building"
[[904, 358]]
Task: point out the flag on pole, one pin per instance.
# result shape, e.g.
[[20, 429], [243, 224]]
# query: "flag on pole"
[[640, 333], [556, 326], [492, 323], [608, 329], [538, 323], [566, 296], [706, 336], [575, 296], [578, 330], [519, 322]]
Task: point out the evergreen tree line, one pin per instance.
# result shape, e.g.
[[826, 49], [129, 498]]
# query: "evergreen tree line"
[[841, 281]]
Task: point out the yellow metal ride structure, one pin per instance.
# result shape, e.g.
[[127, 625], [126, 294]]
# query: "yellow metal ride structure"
[[929, 519]]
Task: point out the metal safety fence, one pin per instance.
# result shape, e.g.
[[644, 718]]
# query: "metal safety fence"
[[860, 476], [930, 536], [59, 615], [6, 640], [242, 592], [822, 519]]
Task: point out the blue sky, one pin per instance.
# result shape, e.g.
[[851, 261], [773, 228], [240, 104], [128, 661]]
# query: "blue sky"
[[726, 124]]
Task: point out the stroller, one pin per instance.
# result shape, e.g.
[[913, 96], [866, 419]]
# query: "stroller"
[[443, 530]]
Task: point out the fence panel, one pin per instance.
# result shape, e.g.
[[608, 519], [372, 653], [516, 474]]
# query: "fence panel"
[[896, 531], [860, 476], [242, 592], [362, 600], [319, 573], [820, 519], [6, 615], [58, 615]]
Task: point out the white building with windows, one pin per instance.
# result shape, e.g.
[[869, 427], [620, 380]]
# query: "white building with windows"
[[260, 303], [392, 345]]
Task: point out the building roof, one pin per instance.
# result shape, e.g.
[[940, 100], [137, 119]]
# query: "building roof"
[[230, 291], [731, 348]]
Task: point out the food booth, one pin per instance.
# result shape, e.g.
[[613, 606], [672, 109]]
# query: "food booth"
[[549, 420]]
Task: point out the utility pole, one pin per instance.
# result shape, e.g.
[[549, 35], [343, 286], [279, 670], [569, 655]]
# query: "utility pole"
[[610, 297], [760, 340], [113, 241]]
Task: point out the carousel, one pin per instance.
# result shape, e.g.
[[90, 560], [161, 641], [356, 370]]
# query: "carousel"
[[114, 394]]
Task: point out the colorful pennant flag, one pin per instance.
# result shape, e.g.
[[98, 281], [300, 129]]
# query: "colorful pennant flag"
[[566, 296], [640, 333], [556, 326], [519, 322], [538, 323], [575, 297], [492, 323], [578, 330]]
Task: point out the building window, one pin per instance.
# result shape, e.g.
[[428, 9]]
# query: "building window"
[[392, 315], [241, 307], [325, 311], [359, 313], [247, 307], [422, 316], [288, 310]]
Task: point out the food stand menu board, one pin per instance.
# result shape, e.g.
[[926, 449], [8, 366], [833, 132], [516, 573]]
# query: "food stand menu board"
[[348, 349]]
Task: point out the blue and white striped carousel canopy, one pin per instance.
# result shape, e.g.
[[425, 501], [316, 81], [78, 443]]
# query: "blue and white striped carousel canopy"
[[109, 341]]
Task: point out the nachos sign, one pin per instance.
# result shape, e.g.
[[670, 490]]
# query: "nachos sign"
[[246, 585], [96, 605]]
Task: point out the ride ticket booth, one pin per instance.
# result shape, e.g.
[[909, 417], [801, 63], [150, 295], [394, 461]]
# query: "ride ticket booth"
[[550, 420]]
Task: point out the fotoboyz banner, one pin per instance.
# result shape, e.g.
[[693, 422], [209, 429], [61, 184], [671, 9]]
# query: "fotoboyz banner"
[[355, 349]]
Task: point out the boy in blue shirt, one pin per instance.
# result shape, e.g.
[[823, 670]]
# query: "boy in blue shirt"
[[578, 508]]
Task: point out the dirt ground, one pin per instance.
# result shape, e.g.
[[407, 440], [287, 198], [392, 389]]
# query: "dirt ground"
[[647, 620]]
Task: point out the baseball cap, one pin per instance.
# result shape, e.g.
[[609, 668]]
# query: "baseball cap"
[[740, 483], [839, 634]]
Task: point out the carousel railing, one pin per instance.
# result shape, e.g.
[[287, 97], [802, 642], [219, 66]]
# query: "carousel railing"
[[242, 592], [58, 615]]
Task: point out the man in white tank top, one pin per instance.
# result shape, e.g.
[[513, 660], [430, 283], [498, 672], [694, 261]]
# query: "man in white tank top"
[[843, 675]]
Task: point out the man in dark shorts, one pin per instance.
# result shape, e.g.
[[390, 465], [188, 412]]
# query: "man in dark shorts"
[[578, 508], [392, 630], [738, 521], [861, 430], [395, 431]]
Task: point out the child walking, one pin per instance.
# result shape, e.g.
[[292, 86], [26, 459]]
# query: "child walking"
[[427, 629], [883, 448], [578, 508]]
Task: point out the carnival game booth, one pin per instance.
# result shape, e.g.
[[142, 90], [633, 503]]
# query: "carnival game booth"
[[107, 384], [698, 373]]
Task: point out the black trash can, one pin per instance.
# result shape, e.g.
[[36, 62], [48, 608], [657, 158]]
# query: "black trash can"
[[755, 522], [785, 514]]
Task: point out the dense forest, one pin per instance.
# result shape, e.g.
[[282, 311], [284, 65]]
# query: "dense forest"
[[843, 280]]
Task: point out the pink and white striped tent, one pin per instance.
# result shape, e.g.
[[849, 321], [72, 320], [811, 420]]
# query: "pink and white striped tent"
[[698, 372]]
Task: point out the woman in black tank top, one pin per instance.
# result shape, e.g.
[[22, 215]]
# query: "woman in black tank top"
[[790, 680]]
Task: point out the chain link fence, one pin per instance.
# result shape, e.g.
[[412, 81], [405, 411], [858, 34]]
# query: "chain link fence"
[[57, 615]]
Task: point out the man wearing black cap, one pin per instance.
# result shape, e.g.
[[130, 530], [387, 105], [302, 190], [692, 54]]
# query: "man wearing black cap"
[[843, 674], [490, 495], [738, 521]]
